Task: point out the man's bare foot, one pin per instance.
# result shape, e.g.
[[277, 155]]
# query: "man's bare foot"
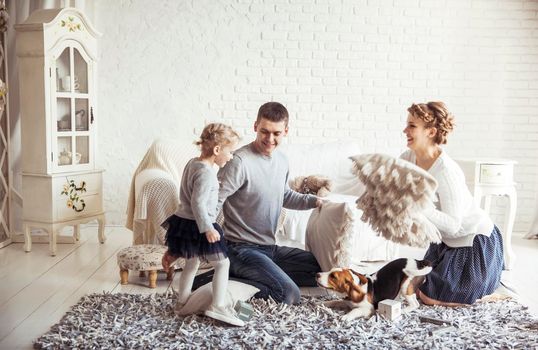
[[167, 260]]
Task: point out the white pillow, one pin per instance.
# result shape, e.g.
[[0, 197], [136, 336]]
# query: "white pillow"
[[202, 297], [329, 235], [397, 193]]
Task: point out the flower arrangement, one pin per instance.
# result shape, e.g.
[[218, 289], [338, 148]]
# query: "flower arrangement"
[[73, 193]]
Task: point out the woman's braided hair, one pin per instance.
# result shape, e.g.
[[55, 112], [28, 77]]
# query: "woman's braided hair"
[[216, 134], [434, 114]]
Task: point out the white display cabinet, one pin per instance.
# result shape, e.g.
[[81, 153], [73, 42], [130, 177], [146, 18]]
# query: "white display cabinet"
[[57, 51]]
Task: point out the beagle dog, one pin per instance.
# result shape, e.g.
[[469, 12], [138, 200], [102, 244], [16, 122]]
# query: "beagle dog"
[[400, 277]]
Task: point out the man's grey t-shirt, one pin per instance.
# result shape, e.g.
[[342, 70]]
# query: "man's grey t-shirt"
[[254, 188], [199, 194]]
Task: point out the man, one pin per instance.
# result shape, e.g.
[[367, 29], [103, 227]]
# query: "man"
[[253, 190]]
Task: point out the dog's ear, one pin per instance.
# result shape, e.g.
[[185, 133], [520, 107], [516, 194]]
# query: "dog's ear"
[[356, 295], [346, 280], [338, 281], [361, 277], [355, 292], [343, 281]]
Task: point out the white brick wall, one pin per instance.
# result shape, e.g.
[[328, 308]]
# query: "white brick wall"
[[346, 70]]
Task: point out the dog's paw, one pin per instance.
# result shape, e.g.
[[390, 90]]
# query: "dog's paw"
[[348, 318]]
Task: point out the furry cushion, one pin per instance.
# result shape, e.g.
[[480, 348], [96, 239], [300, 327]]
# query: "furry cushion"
[[397, 194], [314, 184], [329, 235], [202, 297]]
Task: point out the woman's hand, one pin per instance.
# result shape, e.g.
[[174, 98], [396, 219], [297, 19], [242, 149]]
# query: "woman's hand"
[[212, 236]]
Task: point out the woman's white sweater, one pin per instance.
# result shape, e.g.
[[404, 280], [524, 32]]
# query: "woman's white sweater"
[[456, 215]]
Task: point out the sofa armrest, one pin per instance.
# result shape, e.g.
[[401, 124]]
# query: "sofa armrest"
[[149, 174], [156, 200]]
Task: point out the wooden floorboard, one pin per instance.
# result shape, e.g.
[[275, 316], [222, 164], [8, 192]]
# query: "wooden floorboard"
[[94, 277], [49, 290], [37, 289], [17, 276]]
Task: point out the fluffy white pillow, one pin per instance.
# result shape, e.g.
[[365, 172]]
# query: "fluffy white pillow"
[[201, 298], [329, 235], [397, 194]]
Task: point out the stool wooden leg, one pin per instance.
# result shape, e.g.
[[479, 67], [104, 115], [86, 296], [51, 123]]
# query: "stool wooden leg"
[[153, 279], [142, 274], [124, 276], [170, 273]]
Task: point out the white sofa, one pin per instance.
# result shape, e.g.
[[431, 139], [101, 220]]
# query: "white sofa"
[[331, 160], [154, 194]]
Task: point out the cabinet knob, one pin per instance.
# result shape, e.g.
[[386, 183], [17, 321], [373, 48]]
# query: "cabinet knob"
[[91, 115]]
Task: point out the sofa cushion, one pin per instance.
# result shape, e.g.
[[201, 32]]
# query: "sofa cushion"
[[397, 194], [329, 235]]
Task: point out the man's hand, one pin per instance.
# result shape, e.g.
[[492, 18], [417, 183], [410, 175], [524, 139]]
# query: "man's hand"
[[320, 201], [212, 236]]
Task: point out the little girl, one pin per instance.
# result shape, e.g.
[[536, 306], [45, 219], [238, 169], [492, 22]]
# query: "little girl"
[[192, 232]]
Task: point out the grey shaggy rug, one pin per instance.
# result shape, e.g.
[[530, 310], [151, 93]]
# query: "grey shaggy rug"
[[120, 321]]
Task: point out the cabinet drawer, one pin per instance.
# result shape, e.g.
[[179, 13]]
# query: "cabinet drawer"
[[496, 173], [94, 204], [93, 183]]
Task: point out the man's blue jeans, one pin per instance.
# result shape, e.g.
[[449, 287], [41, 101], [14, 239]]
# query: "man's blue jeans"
[[277, 271]]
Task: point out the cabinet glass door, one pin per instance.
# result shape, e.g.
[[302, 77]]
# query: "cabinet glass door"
[[65, 151], [63, 72], [63, 115], [80, 70], [72, 109], [82, 146], [81, 114]]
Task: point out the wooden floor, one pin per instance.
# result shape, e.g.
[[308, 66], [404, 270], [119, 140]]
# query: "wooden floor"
[[37, 289]]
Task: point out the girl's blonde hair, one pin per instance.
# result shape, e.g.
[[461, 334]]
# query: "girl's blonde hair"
[[434, 114], [216, 134]]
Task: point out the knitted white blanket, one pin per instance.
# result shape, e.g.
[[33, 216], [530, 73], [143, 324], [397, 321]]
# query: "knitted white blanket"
[[165, 155]]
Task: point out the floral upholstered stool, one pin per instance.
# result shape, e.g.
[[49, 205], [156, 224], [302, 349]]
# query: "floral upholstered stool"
[[143, 257]]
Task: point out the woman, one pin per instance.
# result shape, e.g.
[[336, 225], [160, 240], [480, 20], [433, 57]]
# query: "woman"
[[469, 260]]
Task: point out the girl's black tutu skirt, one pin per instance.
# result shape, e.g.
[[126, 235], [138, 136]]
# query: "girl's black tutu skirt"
[[185, 240]]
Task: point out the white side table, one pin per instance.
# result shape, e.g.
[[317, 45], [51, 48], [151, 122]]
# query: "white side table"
[[494, 177], [533, 231]]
